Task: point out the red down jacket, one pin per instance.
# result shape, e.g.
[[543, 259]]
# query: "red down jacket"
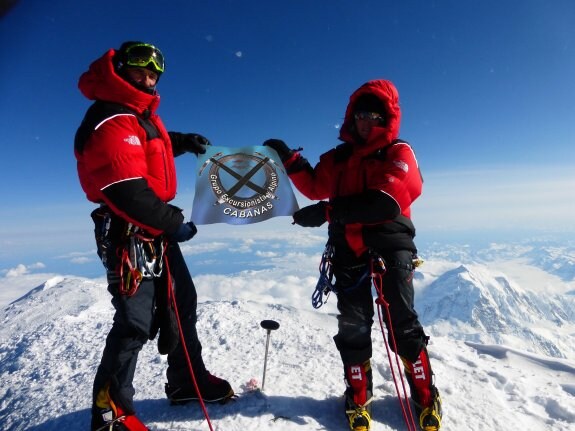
[[126, 159], [376, 181]]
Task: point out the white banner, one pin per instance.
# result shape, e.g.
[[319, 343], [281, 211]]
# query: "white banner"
[[241, 186]]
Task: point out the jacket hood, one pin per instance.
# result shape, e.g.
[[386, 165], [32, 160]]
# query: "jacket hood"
[[380, 136], [101, 82]]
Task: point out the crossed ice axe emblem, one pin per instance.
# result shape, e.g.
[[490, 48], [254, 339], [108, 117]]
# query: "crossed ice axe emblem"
[[243, 180]]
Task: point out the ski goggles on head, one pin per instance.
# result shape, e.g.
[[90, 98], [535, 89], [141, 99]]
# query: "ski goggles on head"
[[142, 54], [364, 115]]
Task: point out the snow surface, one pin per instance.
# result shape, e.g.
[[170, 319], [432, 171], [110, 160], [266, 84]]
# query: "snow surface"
[[501, 348]]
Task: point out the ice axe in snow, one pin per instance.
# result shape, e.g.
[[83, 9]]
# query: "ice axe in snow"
[[269, 326]]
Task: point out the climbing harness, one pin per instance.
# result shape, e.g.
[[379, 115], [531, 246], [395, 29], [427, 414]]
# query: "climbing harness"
[[127, 251], [141, 258]]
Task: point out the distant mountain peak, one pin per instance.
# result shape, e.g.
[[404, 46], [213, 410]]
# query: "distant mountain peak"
[[486, 304]]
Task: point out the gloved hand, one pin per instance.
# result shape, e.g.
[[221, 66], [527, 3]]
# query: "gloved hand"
[[194, 143], [185, 232], [311, 216], [280, 147]]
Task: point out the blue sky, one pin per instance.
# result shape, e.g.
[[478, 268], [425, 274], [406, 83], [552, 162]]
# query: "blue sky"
[[486, 89]]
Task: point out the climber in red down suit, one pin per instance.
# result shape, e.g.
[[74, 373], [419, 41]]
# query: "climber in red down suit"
[[366, 186], [126, 166]]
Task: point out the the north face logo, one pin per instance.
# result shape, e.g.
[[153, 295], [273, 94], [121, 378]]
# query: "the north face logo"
[[133, 140], [401, 165]]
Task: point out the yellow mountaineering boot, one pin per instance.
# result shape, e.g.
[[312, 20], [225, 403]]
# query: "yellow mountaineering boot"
[[430, 417], [109, 416], [424, 394], [358, 395], [359, 418]]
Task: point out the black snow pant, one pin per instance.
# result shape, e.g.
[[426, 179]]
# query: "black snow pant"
[[134, 325], [356, 309]]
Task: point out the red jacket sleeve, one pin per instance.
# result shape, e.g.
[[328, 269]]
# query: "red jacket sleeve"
[[399, 177], [316, 183]]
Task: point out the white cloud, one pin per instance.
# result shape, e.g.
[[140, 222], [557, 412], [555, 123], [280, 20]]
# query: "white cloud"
[[81, 260], [17, 271], [266, 254], [191, 248], [22, 269], [79, 257]]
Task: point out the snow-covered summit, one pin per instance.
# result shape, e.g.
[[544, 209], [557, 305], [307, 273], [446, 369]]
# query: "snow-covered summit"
[[502, 353]]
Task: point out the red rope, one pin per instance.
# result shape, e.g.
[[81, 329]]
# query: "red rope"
[[129, 284], [172, 299], [377, 279]]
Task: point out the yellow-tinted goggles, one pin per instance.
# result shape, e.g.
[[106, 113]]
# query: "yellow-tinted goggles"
[[141, 55]]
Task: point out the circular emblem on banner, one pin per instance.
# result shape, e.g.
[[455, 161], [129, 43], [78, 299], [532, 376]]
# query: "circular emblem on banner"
[[243, 181]]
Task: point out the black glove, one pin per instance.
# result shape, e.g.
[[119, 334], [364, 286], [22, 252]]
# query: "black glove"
[[311, 216], [280, 147], [194, 143], [185, 232], [188, 143]]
